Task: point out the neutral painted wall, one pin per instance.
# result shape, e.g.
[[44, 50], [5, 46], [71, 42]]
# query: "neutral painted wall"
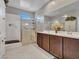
[[17, 11], [78, 24]]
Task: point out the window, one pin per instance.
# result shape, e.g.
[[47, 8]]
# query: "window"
[[25, 16]]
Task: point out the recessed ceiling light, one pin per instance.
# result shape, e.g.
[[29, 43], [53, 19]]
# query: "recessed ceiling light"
[[53, 2]]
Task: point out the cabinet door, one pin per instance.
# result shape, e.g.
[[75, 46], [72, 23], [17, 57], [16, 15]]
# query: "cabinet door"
[[71, 48], [56, 46], [39, 39], [45, 42]]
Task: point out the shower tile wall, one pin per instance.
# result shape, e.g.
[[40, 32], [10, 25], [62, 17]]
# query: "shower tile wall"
[[13, 27]]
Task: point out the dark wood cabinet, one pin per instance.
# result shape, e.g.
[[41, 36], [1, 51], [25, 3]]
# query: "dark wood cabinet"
[[71, 48], [45, 42], [56, 46], [61, 47], [39, 39]]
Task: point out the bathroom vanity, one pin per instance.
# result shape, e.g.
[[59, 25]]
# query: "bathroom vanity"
[[62, 45]]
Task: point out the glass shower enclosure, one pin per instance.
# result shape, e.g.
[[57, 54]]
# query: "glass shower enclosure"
[[27, 29]]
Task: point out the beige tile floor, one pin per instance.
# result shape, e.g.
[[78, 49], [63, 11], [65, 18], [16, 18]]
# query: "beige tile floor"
[[31, 51]]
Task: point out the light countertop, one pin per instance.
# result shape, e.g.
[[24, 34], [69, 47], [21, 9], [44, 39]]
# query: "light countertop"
[[62, 33]]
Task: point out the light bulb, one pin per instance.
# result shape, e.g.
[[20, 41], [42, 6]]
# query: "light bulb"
[[26, 24], [53, 2], [65, 15]]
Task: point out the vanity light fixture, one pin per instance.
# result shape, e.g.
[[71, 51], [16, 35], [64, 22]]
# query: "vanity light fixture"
[[56, 22]]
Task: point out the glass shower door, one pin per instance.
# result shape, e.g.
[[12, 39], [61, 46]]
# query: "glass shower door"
[[28, 32]]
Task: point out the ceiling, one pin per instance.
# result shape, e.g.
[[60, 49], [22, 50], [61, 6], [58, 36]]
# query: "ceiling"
[[73, 7], [69, 10], [53, 7], [32, 5], [65, 9], [46, 7], [58, 4]]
